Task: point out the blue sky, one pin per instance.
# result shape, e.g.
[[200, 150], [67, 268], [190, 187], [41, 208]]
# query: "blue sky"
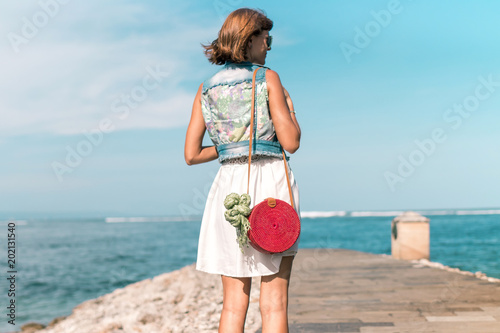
[[398, 103]]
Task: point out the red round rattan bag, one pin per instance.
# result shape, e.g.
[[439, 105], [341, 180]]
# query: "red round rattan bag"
[[275, 226]]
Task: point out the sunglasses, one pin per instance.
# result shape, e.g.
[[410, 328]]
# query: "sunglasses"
[[269, 40]]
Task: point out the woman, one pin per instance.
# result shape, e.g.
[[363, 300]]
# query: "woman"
[[223, 107]]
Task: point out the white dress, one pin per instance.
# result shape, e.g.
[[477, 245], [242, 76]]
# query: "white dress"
[[218, 249]]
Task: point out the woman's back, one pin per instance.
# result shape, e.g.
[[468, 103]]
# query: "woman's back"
[[226, 102]]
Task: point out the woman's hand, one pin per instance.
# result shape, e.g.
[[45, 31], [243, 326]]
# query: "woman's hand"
[[194, 152], [288, 99]]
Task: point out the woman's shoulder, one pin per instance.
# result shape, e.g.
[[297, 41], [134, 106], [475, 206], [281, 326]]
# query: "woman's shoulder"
[[272, 79], [235, 73], [271, 74]]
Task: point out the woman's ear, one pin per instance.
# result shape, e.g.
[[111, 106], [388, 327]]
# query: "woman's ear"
[[249, 46]]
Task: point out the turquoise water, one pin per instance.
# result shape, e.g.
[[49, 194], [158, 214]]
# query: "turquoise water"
[[61, 263]]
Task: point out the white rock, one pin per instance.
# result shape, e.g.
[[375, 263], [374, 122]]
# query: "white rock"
[[181, 301]]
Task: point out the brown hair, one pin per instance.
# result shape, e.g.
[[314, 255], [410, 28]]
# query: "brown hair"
[[235, 34]]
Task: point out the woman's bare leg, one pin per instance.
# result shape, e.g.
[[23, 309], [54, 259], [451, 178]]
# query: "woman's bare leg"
[[274, 299], [235, 304]]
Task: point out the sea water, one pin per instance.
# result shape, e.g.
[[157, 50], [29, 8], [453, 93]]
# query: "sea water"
[[63, 262]]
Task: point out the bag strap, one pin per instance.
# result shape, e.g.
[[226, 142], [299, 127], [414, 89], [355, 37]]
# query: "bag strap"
[[251, 139]]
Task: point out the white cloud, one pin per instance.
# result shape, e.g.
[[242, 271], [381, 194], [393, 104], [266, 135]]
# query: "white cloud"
[[67, 77]]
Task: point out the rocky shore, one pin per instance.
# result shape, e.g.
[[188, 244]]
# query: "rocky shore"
[[185, 300], [478, 274]]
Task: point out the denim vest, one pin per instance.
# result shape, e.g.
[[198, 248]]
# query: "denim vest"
[[226, 101]]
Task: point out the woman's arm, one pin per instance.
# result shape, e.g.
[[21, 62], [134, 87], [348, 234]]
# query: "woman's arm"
[[285, 124], [194, 152]]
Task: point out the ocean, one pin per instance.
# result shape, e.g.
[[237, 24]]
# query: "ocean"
[[63, 262]]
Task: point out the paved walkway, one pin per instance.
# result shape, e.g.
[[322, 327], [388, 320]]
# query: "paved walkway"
[[335, 290]]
